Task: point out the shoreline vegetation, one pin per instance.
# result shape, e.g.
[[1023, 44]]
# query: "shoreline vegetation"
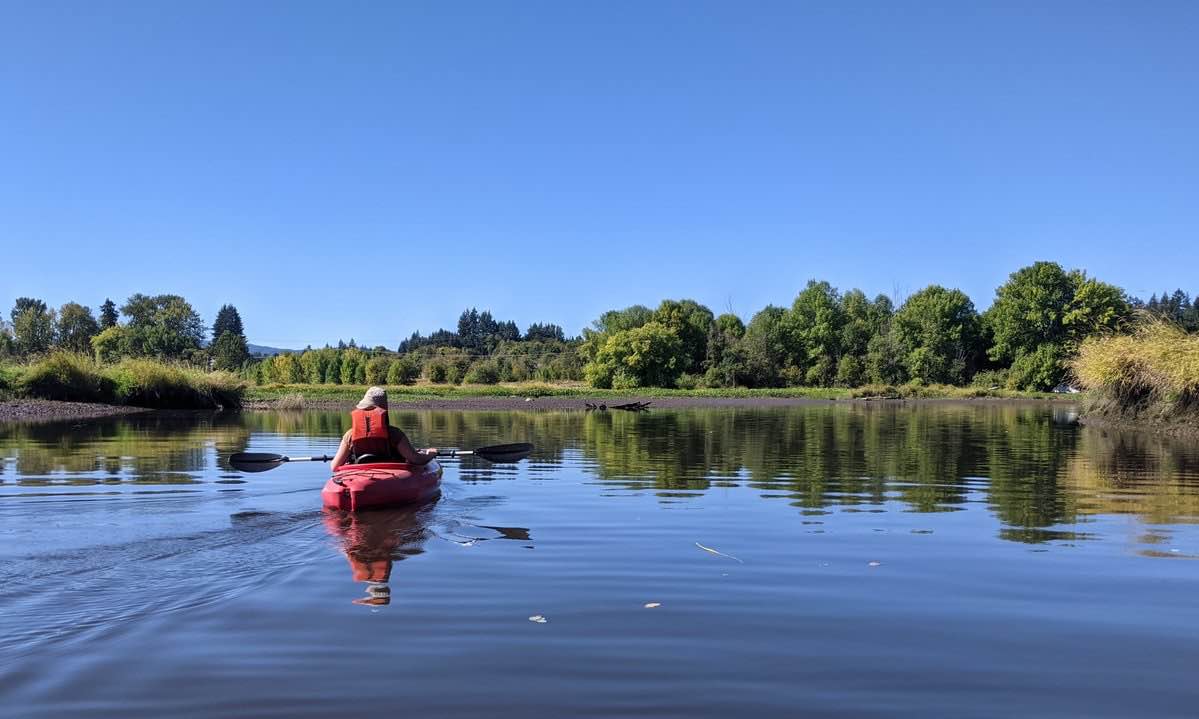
[[140, 383], [1048, 329], [1149, 377]]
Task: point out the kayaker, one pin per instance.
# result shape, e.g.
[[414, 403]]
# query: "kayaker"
[[372, 438]]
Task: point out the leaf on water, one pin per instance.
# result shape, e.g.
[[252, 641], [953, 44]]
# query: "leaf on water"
[[652, 605], [719, 554], [538, 619]]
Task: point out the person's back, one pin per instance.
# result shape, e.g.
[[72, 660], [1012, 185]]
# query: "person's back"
[[371, 437]]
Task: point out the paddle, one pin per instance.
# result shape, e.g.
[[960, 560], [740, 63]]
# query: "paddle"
[[261, 462]]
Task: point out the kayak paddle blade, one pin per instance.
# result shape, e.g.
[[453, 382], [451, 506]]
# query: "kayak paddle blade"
[[501, 453], [255, 461]]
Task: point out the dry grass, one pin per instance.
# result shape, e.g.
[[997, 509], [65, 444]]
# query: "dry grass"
[[136, 382], [1155, 368]]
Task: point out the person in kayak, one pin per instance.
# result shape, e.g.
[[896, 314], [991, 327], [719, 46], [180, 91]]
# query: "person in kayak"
[[373, 439]]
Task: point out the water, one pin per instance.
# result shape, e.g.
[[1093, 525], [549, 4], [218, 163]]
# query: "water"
[[948, 560]]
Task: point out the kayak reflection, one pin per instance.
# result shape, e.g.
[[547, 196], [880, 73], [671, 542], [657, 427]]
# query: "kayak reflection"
[[373, 540]]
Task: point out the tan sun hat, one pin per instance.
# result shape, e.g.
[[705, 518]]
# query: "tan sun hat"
[[374, 397]]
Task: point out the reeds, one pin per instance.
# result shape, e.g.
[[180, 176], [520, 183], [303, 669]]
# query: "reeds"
[[1156, 368], [136, 382]]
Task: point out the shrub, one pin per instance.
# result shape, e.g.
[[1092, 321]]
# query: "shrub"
[[688, 381], [438, 371], [405, 370], [1041, 369], [377, 369], [483, 372]]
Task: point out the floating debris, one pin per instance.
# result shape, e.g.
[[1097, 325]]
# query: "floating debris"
[[922, 531], [652, 605], [537, 618], [875, 564], [719, 554]]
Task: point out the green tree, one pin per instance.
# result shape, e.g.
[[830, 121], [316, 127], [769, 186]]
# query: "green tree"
[[813, 333], [33, 326], [76, 327], [690, 321], [862, 322], [647, 356], [937, 333], [229, 352], [333, 368], [405, 370], [111, 344], [537, 332], [351, 360], [377, 369], [764, 346], [162, 326], [724, 365], [108, 314], [1044, 312], [8, 346]]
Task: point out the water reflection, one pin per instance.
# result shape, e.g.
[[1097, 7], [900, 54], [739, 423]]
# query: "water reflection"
[[1031, 466], [372, 541]]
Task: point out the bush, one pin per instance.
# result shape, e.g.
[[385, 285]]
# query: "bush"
[[991, 378], [688, 381], [377, 369], [67, 377], [405, 370], [483, 372], [438, 371], [1042, 369]]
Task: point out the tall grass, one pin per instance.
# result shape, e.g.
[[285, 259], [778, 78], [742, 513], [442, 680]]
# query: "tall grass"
[[1155, 370], [136, 382]]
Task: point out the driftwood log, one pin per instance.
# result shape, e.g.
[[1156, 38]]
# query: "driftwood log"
[[628, 406]]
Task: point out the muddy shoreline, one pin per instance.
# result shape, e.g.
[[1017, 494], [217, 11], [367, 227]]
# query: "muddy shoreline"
[[44, 410], [40, 410]]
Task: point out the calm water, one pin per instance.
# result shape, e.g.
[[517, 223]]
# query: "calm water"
[[984, 560]]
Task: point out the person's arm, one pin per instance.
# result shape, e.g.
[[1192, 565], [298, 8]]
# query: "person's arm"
[[410, 454], [343, 451]]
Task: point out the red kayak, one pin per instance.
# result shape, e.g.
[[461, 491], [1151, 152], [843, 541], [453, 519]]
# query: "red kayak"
[[383, 484]]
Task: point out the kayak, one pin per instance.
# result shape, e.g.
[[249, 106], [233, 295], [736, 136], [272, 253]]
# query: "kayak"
[[383, 484]]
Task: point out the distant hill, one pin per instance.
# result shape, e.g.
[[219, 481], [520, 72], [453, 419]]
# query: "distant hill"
[[264, 351]]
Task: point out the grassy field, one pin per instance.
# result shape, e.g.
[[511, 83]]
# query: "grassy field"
[[427, 391]]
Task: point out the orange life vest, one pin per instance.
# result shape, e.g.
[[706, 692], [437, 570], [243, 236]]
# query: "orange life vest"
[[370, 433]]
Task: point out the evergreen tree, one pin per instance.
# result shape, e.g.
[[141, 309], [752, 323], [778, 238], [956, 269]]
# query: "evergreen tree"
[[108, 314], [228, 320], [229, 352]]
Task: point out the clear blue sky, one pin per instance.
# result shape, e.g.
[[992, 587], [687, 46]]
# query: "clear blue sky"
[[350, 169]]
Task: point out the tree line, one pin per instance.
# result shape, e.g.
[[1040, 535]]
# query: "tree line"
[[825, 338], [159, 326], [832, 338], [482, 350]]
